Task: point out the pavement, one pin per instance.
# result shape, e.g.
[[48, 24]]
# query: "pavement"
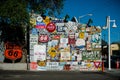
[[113, 72]]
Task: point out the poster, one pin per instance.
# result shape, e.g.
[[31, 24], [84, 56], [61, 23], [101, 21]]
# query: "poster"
[[33, 40], [39, 52], [65, 55]]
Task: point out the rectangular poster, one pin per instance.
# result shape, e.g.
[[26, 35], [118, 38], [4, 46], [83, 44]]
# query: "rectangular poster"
[[65, 55], [33, 40], [92, 55], [39, 53]]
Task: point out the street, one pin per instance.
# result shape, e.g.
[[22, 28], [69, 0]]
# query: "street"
[[55, 75]]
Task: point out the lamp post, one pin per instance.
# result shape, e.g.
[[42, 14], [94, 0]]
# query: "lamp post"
[[109, 48], [84, 16]]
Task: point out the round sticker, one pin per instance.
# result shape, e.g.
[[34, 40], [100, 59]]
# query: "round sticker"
[[39, 19], [51, 27], [81, 35]]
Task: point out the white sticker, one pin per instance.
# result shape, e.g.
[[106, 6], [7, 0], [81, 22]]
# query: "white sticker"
[[39, 19]]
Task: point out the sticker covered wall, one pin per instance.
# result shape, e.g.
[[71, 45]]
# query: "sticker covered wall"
[[63, 45]]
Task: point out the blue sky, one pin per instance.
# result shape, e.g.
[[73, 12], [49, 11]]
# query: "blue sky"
[[100, 9]]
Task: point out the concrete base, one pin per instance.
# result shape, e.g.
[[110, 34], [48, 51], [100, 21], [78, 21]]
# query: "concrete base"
[[13, 66]]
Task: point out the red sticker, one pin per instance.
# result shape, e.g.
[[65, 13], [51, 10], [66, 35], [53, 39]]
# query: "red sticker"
[[51, 27], [97, 64], [33, 65], [71, 39], [43, 38]]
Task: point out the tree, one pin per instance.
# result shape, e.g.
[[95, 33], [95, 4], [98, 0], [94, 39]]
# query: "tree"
[[14, 14], [50, 7]]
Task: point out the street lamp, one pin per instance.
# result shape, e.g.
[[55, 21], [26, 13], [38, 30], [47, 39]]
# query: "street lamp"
[[109, 49], [84, 16]]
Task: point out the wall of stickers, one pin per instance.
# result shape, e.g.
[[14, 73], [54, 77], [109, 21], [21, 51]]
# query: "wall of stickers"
[[59, 45]]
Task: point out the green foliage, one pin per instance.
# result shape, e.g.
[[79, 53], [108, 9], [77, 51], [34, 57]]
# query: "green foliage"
[[14, 15], [14, 12], [50, 7]]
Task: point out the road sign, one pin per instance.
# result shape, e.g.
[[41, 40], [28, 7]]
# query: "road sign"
[[13, 54], [44, 38]]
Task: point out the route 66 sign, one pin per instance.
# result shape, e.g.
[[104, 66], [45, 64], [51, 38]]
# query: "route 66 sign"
[[43, 38], [13, 54]]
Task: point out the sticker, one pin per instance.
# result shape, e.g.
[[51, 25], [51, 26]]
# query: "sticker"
[[40, 25], [33, 40], [67, 67], [56, 37], [80, 42], [88, 46], [91, 55], [47, 20], [89, 65], [64, 40], [39, 53], [43, 38], [33, 66], [97, 64], [81, 35], [60, 27], [41, 63], [96, 38], [39, 19], [65, 55], [51, 27], [33, 21], [52, 66], [71, 39], [34, 31], [52, 52]]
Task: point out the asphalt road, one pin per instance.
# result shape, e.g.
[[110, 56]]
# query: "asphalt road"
[[55, 75]]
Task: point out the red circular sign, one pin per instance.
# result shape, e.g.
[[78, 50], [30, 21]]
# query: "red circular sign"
[[51, 27], [13, 54]]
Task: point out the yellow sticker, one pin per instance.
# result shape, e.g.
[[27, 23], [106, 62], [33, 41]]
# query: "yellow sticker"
[[33, 21], [41, 63], [47, 20], [81, 35], [52, 52], [89, 65], [99, 69]]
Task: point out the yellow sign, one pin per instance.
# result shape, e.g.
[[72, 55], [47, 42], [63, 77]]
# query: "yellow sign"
[[81, 35], [47, 20], [52, 52]]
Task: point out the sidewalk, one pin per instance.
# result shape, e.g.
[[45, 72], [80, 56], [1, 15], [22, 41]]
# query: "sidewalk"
[[113, 72]]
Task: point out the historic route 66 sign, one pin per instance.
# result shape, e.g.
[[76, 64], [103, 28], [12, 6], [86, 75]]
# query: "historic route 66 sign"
[[13, 54], [43, 38]]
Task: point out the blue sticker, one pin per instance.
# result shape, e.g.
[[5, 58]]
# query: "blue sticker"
[[34, 31]]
